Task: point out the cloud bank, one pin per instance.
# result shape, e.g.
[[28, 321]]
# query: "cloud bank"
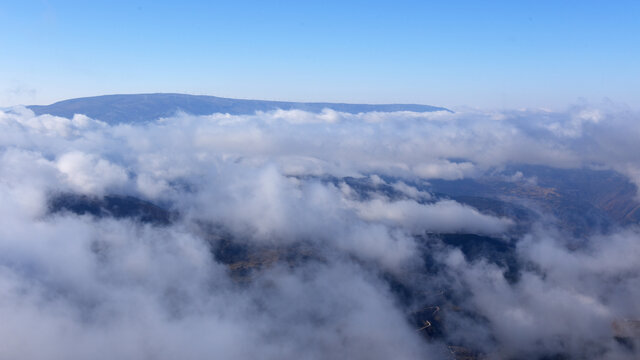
[[321, 248]]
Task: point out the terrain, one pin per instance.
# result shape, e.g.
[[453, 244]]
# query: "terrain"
[[146, 107]]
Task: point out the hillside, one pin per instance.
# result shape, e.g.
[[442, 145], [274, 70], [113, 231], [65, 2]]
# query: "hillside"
[[115, 109]]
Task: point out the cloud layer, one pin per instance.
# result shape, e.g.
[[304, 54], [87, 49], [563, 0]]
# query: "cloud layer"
[[76, 286]]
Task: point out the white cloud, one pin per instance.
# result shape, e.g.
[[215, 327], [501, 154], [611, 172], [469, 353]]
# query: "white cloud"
[[443, 216], [444, 169], [90, 174], [121, 289]]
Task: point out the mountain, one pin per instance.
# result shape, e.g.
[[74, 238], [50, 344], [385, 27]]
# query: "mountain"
[[115, 109], [582, 200]]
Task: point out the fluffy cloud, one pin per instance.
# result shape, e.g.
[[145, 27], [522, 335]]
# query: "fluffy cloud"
[[76, 286], [89, 174], [566, 301], [445, 216]]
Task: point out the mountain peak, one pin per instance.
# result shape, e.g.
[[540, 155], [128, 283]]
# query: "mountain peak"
[[130, 108]]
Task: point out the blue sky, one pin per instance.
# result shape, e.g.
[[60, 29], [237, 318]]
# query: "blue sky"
[[496, 54]]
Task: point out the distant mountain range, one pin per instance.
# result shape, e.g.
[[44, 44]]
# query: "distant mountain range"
[[115, 109]]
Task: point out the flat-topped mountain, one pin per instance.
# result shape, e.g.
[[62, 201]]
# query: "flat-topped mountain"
[[144, 107]]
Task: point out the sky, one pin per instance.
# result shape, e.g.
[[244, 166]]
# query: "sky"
[[499, 54]]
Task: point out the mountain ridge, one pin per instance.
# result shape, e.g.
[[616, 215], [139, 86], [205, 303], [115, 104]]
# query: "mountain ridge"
[[129, 108]]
